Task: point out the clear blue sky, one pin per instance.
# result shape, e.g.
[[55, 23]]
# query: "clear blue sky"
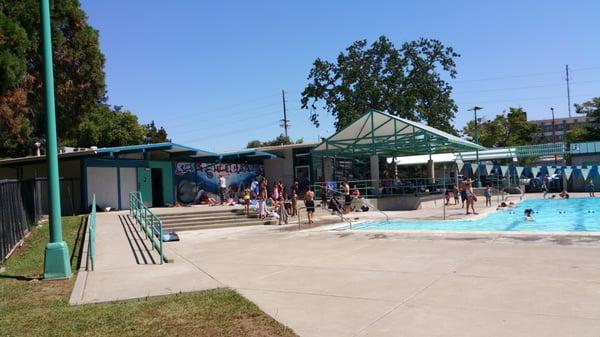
[[212, 72]]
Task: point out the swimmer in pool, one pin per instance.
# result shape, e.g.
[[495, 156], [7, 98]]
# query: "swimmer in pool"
[[528, 216]]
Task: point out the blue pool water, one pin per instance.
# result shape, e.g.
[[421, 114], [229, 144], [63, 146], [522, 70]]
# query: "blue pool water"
[[572, 215]]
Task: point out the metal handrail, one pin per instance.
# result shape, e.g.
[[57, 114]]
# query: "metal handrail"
[[91, 222], [148, 222], [387, 218], [388, 187]]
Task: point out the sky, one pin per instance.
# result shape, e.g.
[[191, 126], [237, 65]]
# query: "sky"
[[212, 72]]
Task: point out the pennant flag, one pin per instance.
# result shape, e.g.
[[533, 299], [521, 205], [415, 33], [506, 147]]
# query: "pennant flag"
[[585, 172], [489, 168], [504, 170], [568, 172], [460, 164], [535, 171], [519, 171], [474, 168]]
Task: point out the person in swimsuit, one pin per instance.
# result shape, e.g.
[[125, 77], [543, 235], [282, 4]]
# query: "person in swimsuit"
[[347, 196], [309, 202], [488, 196], [247, 201]]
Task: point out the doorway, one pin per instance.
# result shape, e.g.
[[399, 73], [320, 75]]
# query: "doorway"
[[157, 188]]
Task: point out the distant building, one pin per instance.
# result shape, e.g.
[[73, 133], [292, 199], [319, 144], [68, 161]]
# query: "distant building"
[[562, 126]]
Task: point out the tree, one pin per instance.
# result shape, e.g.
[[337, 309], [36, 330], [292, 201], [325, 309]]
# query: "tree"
[[154, 134], [510, 130], [107, 127], [280, 140], [406, 82], [78, 67], [590, 132]]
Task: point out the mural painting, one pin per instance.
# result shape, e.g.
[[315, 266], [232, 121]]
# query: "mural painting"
[[198, 181]]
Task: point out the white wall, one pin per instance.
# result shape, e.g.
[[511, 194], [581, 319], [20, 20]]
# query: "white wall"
[[103, 182], [128, 184]]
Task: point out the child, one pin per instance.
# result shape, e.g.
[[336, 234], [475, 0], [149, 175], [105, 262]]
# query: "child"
[[456, 193], [247, 200], [488, 196], [528, 216]]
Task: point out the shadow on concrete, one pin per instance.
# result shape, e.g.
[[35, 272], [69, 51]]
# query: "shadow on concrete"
[[137, 242]]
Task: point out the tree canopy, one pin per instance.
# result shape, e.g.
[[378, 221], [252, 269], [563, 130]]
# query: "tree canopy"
[[591, 132], [80, 90], [405, 81], [511, 129], [280, 140]]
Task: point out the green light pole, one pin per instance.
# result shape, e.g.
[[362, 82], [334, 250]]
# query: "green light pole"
[[474, 109], [56, 257]]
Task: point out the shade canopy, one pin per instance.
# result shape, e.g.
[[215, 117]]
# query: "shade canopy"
[[379, 133]]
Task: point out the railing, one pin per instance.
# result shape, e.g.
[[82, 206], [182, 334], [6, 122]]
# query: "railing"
[[148, 222], [91, 223], [388, 187]]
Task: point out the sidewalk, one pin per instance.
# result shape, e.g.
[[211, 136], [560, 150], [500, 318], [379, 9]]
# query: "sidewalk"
[[126, 267]]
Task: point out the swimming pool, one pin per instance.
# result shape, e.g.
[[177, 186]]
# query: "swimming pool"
[[570, 215]]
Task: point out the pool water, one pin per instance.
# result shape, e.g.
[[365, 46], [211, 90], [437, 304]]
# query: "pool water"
[[564, 215]]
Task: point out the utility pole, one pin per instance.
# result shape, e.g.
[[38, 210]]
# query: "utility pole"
[[568, 90], [554, 134], [285, 123], [57, 263], [474, 109]]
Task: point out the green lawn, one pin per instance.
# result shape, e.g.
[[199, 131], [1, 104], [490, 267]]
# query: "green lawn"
[[32, 307]]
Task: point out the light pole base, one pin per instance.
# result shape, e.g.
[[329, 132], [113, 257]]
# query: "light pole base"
[[56, 261]]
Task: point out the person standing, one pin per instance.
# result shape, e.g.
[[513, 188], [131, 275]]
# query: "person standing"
[[347, 197], [590, 188], [309, 202], [222, 188], [488, 196], [544, 188], [471, 198]]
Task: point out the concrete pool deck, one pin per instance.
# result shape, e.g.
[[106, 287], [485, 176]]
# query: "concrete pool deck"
[[325, 283]]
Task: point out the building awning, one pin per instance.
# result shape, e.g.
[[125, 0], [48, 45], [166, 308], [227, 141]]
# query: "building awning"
[[173, 149], [379, 133]]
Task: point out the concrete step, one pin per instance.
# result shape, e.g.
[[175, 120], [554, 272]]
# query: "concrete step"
[[191, 227], [208, 220], [202, 212], [203, 218]]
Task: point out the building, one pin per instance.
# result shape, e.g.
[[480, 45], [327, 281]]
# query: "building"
[[561, 126]]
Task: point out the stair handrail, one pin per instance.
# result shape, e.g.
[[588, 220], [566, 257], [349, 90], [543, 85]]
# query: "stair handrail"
[[148, 222], [91, 222], [387, 218]]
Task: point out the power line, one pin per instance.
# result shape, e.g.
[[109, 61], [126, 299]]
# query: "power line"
[[224, 134], [523, 75], [237, 113], [526, 87], [524, 99], [192, 129]]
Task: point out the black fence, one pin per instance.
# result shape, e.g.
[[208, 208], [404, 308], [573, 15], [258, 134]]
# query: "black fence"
[[24, 202]]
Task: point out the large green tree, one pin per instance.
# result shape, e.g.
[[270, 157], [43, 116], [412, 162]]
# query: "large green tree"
[[78, 66], [405, 81], [80, 89], [591, 132], [511, 129], [110, 126]]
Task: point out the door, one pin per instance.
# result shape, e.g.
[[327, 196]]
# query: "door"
[[157, 188], [144, 183]]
